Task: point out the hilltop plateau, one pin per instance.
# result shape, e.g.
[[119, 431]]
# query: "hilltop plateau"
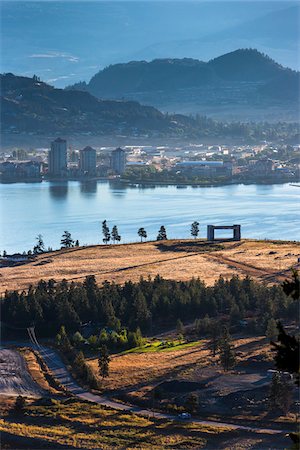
[[265, 261]]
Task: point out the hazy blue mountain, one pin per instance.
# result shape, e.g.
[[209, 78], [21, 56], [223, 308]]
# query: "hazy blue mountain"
[[31, 106], [244, 84], [65, 42]]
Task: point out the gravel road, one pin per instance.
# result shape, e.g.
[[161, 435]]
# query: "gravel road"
[[14, 376]]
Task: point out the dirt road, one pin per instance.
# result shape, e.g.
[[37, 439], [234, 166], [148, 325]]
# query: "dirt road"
[[61, 373], [14, 376]]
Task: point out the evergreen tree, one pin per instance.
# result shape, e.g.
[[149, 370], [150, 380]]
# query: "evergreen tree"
[[179, 328], [192, 403], [40, 246], [281, 394], [162, 234], [105, 232], [79, 365], [77, 243], [227, 355], [271, 330], [287, 352], [103, 362], [66, 240], [195, 229], [20, 404], [115, 234], [142, 233]]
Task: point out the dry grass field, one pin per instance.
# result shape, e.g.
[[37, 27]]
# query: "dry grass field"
[[71, 424], [268, 261], [136, 371]]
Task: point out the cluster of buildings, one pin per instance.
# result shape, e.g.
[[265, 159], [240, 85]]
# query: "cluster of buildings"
[[59, 166], [187, 161]]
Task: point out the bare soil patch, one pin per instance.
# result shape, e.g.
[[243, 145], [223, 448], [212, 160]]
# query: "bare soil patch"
[[15, 378]]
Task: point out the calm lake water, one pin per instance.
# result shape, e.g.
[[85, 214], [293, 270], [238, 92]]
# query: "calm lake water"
[[27, 209]]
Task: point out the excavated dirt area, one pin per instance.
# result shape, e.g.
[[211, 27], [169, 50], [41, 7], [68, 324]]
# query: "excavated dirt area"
[[14, 376]]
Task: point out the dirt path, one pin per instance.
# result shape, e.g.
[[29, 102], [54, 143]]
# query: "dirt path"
[[14, 376], [61, 373], [249, 269]]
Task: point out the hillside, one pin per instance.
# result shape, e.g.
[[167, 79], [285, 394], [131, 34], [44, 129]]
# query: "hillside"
[[240, 82], [265, 261], [32, 106]]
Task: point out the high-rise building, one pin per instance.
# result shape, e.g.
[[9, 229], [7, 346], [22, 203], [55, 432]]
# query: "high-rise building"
[[118, 160], [57, 158], [87, 160]]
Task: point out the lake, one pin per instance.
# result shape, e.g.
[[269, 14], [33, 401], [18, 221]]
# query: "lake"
[[50, 208]]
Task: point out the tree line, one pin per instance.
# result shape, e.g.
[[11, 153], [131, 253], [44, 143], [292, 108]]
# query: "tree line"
[[108, 236], [149, 304]]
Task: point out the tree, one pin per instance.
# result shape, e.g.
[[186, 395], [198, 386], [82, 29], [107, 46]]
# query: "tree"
[[142, 233], [227, 356], [195, 229], [162, 234], [20, 404], [271, 330], [79, 365], [77, 243], [281, 394], [179, 328], [105, 232], [287, 352], [292, 288], [103, 362], [40, 246], [192, 403], [77, 339], [5, 253], [115, 234], [66, 240]]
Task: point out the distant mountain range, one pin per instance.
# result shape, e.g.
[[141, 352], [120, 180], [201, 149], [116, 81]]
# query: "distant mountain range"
[[29, 105], [244, 84]]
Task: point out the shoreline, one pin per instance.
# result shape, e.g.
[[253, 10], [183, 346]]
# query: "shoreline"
[[133, 183]]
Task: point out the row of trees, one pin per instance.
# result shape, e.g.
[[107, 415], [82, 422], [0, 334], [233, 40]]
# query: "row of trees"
[[148, 304], [68, 242]]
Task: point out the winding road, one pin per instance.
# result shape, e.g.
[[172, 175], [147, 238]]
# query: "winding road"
[[61, 373]]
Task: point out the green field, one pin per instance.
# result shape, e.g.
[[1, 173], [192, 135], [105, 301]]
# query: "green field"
[[162, 346]]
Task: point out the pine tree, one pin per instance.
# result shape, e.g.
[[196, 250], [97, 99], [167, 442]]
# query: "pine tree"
[[77, 243], [195, 229], [227, 356], [179, 328], [103, 362], [40, 246], [192, 403], [20, 404], [105, 232], [142, 233], [115, 234], [287, 352], [280, 395], [271, 331], [66, 240], [162, 234]]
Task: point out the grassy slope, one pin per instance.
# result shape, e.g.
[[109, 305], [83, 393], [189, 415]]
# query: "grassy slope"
[[90, 426], [180, 260]]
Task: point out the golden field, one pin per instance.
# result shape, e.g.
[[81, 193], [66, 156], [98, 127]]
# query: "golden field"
[[268, 261]]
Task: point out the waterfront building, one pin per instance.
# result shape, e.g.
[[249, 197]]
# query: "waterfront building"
[[57, 158], [118, 160], [87, 161]]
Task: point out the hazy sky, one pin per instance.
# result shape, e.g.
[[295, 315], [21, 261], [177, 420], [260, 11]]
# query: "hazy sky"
[[66, 41]]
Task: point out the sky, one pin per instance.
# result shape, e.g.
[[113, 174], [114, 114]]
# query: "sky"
[[64, 42]]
